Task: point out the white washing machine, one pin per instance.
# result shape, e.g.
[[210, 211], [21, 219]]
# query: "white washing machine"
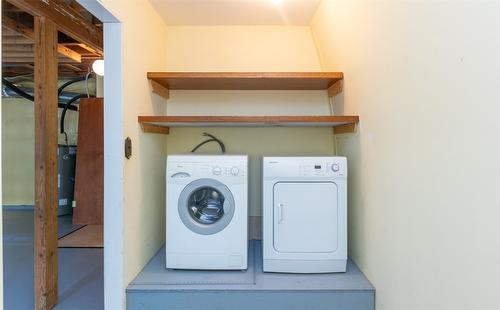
[[207, 202], [304, 214]]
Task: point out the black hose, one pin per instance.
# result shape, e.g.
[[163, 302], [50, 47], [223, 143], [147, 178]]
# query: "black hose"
[[17, 90], [65, 109], [213, 139], [68, 83], [72, 108], [27, 96]]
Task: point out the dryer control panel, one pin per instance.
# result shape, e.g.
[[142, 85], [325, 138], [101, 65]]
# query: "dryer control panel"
[[305, 167]]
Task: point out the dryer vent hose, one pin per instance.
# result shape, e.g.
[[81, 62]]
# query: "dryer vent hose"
[[212, 139]]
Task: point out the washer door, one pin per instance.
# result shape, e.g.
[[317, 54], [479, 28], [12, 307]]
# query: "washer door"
[[206, 206]]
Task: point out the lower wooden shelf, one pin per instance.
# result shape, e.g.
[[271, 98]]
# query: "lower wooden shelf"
[[161, 124]]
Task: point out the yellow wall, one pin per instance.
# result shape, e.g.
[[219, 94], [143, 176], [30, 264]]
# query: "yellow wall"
[[18, 140], [424, 167], [247, 48], [143, 50]]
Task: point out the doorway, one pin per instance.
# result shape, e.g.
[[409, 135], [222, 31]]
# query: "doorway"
[[19, 223]]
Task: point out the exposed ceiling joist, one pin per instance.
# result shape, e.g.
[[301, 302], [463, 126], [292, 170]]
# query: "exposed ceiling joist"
[[17, 48], [67, 19], [83, 46], [28, 33], [15, 40], [63, 50], [27, 59]]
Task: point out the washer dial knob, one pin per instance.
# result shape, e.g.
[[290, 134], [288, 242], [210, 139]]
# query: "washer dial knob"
[[235, 171], [216, 170]]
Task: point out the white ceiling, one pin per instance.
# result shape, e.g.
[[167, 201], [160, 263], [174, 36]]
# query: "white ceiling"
[[236, 12]]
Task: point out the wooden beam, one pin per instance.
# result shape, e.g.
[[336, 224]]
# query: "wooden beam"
[[17, 60], [26, 32], [159, 89], [336, 88], [30, 54], [85, 47], [29, 60], [16, 40], [72, 67], [149, 128], [71, 54], [17, 48], [45, 163], [8, 32], [18, 54], [17, 27], [67, 19], [347, 128]]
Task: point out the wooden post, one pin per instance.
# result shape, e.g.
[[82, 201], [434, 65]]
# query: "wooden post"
[[45, 163]]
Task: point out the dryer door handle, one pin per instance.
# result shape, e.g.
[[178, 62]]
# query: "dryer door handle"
[[280, 213]]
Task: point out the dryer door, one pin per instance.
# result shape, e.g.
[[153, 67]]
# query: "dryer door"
[[305, 217], [206, 206]]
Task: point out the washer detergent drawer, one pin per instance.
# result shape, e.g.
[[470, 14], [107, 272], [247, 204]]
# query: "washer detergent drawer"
[[305, 217]]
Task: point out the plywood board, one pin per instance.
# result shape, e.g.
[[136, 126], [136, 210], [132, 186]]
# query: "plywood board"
[[89, 183]]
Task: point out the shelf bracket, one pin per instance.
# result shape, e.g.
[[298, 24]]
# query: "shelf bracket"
[[159, 89], [150, 128], [347, 128], [336, 88]]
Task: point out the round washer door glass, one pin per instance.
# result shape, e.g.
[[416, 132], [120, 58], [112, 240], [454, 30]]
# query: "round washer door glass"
[[206, 206]]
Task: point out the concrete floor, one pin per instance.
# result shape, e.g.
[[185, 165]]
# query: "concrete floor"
[[81, 283]]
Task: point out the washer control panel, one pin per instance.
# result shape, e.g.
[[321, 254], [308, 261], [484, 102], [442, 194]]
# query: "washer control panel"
[[187, 170], [230, 170]]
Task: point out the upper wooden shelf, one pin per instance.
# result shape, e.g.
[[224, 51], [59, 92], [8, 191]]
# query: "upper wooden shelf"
[[161, 124], [162, 82]]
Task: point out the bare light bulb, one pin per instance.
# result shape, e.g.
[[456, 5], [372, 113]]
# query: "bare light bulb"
[[98, 67]]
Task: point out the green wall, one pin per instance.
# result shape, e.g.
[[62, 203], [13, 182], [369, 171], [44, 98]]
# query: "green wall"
[[18, 143]]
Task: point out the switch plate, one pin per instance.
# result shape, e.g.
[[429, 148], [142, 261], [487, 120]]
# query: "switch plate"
[[128, 148]]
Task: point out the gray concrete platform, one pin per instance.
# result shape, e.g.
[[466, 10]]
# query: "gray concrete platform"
[[156, 287]]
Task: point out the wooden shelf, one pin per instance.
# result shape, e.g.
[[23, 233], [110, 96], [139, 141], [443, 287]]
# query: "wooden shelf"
[[161, 124], [162, 82]]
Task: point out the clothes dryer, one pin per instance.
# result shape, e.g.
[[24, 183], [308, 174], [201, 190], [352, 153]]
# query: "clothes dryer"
[[305, 214]]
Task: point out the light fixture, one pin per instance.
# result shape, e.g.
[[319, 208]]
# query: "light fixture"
[[98, 67], [276, 2]]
